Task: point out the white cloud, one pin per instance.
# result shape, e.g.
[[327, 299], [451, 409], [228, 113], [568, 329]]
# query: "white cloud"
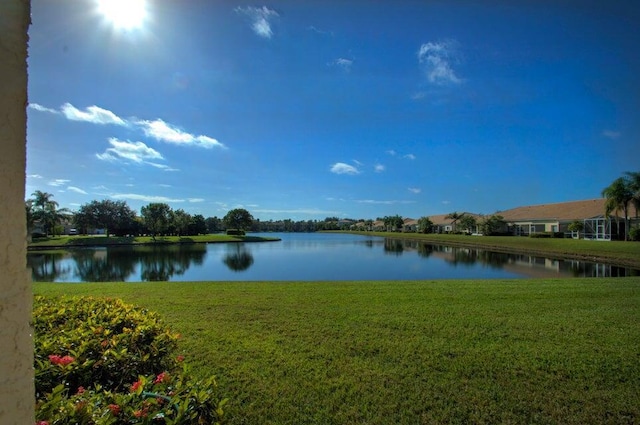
[[144, 198], [410, 156], [342, 168], [58, 182], [376, 202], [161, 166], [343, 63], [415, 190], [160, 130], [392, 152], [261, 18], [77, 190], [41, 108], [379, 168], [195, 200], [136, 152], [310, 211], [610, 134], [35, 176], [435, 58], [92, 114]]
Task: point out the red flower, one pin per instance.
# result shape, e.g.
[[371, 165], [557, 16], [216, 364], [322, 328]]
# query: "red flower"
[[42, 423], [57, 360], [136, 385], [140, 413], [161, 378], [115, 409], [180, 358], [80, 390]]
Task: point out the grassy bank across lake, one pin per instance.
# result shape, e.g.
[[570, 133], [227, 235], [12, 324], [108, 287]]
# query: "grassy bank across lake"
[[613, 252], [79, 241], [406, 352]]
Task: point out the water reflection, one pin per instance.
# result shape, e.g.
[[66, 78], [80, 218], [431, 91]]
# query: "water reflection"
[[238, 257], [528, 265], [116, 264], [309, 257]]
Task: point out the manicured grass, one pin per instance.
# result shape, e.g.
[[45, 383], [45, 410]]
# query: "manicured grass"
[[618, 252], [407, 352], [67, 241]]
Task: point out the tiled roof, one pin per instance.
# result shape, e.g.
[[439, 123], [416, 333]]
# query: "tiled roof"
[[565, 211]]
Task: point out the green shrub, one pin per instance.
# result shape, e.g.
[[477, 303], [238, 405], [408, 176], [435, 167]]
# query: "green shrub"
[[634, 233], [101, 361], [235, 232]]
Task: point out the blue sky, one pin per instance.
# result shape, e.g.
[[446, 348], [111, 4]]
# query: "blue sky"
[[309, 109]]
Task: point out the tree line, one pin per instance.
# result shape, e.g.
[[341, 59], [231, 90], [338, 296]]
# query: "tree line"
[[117, 218]]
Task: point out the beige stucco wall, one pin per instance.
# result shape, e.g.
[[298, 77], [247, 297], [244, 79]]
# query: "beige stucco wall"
[[16, 344]]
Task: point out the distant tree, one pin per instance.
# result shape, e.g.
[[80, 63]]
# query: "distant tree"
[[454, 217], [197, 226], [576, 226], [634, 183], [46, 211], [619, 195], [156, 218], [114, 216], [491, 224], [393, 223], [467, 223], [214, 224], [425, 225], [180, 221], [239, 219]]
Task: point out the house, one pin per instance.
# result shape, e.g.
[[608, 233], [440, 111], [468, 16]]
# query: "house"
[[442, 224], [556, 218], [410, 225]]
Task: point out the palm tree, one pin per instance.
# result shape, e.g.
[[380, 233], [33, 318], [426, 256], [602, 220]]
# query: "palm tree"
[[619, 195], [46, 210], [454, 216], [634, 178]]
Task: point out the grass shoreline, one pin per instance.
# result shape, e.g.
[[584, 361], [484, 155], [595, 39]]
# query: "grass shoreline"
[[406, 352], [101, 241]]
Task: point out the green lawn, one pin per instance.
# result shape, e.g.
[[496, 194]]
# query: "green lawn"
[[407, 352], [68, 241]]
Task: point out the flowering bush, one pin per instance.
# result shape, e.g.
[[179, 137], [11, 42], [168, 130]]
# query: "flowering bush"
[[105, 362]]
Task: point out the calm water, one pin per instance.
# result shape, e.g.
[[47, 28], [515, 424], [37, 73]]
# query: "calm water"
[[301, 256]]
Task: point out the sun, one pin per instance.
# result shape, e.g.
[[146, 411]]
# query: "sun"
[[124, 14]]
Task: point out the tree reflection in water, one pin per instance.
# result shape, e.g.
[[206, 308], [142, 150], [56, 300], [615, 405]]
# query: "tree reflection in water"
[[46, 267], [104, 265], [238, 258], [160, 263]]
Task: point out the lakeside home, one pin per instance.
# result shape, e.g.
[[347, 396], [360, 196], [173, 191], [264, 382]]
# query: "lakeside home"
[[556, 218], [531, 219]]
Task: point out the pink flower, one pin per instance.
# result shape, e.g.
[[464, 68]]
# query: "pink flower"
[[135, 386], [180, 358], [42, 423], [161, 378], [80, 390], [57, 360], [115, 409]]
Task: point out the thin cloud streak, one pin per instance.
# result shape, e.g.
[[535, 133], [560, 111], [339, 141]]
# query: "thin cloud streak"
[[93, 114], [261, 18], [144, 198], [160, 130]]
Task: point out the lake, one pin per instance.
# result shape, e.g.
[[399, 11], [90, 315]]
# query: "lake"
[[301, 256]]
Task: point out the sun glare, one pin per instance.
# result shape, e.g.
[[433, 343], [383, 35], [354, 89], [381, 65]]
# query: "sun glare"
[[124, 14]]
